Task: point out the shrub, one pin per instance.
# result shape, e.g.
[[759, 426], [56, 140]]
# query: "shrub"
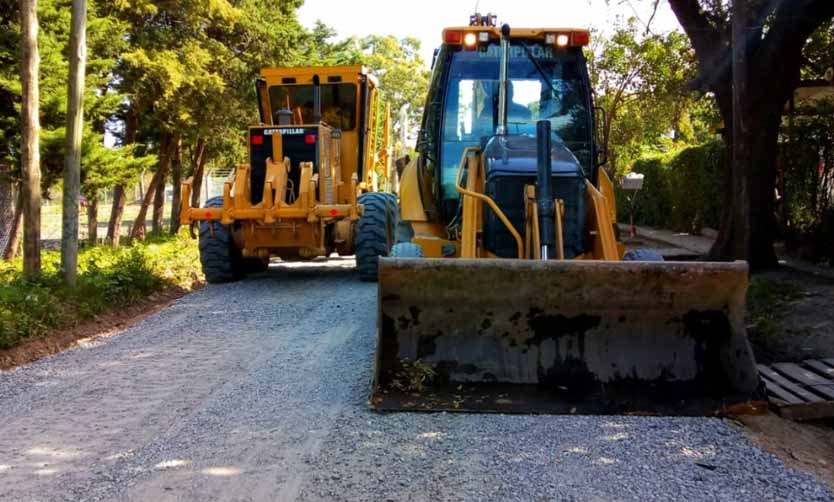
[[681, 190], [654, 202], [108, 278]]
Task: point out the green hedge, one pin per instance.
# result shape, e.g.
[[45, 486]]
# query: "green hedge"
[[108, 278], [681, 190]]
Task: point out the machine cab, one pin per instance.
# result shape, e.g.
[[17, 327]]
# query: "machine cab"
[[547, 79], [349, 104]]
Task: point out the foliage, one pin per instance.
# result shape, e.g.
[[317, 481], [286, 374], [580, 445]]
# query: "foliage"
[[696, 187], [681, 189], [108, 279], [806, 181], [414, 376], [738, 44], [653, 203], [403, 79], [105, 40], [631, 68]]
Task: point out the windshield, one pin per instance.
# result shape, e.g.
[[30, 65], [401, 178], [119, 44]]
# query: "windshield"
[[556, 91], [338, 104]]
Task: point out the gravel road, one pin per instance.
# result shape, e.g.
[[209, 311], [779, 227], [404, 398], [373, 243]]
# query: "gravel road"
[[257, 391]]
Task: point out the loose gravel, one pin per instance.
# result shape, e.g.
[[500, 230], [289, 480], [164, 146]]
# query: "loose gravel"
[[258, 391]]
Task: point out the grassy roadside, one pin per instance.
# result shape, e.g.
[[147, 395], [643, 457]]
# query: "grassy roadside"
[[109, 279]]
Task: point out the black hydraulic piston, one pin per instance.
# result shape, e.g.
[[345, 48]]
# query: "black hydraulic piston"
[[544, 192]]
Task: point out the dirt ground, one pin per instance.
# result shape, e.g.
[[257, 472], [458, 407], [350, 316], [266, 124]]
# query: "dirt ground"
[[790, 318], [804, 446], [103, 325], [258, 390], [805, 329]]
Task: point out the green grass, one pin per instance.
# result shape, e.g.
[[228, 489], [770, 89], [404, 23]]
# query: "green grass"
[[108, 279], [768, 303]]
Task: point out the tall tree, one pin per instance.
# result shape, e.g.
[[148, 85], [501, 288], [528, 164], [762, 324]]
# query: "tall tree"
[[403, 79], [631, 67], [72, 163], [770, 41], [30, 153]]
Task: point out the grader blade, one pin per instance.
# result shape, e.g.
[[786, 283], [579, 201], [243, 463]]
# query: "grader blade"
[[562, 336]]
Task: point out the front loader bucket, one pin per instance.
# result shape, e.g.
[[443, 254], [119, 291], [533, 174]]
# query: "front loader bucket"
[[562, 336]]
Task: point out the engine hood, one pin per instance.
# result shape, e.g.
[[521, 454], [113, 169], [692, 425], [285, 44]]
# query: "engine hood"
[[515, 154]]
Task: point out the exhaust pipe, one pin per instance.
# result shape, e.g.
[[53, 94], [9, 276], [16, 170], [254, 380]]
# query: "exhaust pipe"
[[544, 194], [502, 81], [316, 99]]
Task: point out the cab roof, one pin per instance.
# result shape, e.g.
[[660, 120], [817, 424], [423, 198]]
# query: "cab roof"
[[304, 74], [578, 36]]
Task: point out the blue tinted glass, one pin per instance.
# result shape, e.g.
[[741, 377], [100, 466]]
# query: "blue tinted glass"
[[554, 91]]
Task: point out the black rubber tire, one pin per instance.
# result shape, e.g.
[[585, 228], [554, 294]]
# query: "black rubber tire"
[[374, 234], [218, 255], [407, 250], [391, 202], [402, 229], [642, 254]]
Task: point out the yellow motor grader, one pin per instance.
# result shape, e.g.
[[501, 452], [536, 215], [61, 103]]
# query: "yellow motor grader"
[[311, 184], [513, 292]]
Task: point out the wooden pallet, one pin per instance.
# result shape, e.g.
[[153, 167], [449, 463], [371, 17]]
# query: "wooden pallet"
[[801, 391]]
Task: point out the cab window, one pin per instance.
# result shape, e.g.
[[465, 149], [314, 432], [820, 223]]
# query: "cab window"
[[543, 85], [338, 104]]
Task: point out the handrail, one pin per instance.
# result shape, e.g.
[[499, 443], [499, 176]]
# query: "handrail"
[[488, 200]]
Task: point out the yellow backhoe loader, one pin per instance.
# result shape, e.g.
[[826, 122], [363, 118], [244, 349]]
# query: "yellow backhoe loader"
[[312, 184], [511, 291]]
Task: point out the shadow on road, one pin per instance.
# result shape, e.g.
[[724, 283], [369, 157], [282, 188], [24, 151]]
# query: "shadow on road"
[[319, 268]]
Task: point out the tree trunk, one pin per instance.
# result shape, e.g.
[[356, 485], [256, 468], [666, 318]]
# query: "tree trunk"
[[138, 230], [747, 227], [114, 227], [156, 186], [92, 221], [176, 180], [161, 176], [72, 161], [8, 199], [142, 184], [754, 113], [13, 244], [198, 162], [29, 150]]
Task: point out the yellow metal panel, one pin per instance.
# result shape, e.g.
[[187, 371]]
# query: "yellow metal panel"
[[185, 213], [411, 204], [471, 204], [605, 243], [606, 187], [433, 246], [349, 73]]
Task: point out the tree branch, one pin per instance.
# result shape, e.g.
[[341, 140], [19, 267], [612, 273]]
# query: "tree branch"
[[709, 39], [781, 50]]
